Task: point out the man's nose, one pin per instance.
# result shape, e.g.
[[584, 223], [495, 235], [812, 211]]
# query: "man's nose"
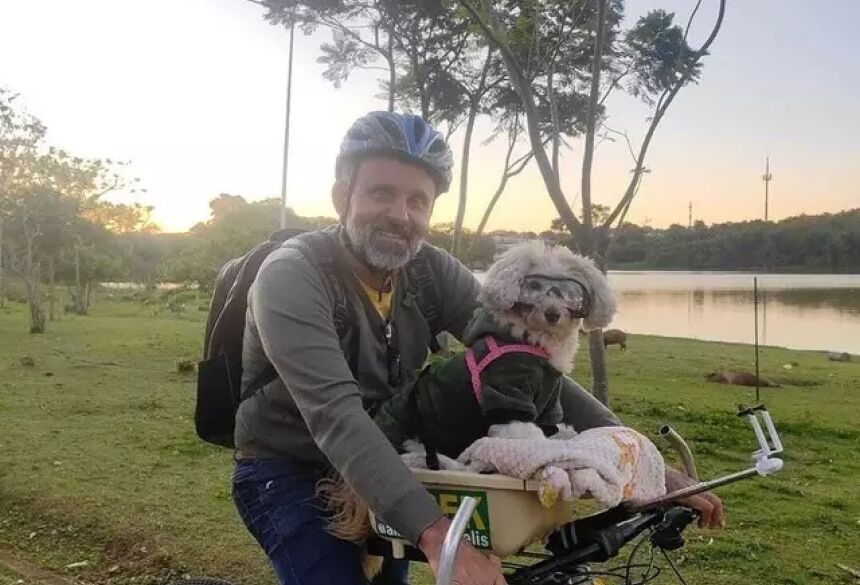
[[398, 209]]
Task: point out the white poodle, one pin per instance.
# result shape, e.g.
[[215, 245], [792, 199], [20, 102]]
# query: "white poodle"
[[520, 342]]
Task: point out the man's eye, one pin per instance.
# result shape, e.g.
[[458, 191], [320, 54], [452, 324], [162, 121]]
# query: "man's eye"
[[418, 202], [381, 194]]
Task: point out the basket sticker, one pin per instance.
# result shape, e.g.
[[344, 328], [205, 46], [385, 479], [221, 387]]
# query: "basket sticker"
[[478, 529]]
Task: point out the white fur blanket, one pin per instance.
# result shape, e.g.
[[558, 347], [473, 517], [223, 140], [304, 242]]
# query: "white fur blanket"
[[613, 464]]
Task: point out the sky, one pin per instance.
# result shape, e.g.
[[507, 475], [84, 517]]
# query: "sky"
[[192, 93]]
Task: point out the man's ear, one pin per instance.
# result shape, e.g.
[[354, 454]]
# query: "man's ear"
[[340, 198]]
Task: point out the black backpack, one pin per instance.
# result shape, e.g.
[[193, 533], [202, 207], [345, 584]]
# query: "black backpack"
[[219, 374]]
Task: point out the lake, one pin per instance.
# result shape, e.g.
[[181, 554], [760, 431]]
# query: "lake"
[[809, 311]]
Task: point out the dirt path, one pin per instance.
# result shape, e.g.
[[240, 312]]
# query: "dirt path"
[[30, 571]]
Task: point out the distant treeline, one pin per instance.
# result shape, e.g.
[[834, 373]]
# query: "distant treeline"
[[807, 243], [821, 243]]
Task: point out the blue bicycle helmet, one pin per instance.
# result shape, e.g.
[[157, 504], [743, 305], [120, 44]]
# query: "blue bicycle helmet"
[[404, 136]]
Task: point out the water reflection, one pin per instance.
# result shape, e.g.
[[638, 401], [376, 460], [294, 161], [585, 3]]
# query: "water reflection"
[[806, 311], [797, 311]]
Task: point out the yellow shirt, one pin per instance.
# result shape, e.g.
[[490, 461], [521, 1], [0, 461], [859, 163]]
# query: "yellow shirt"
[[380, 300]]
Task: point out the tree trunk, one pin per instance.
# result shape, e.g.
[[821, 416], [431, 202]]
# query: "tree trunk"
[[80, 306], [392, 71], [31, 280], [52, 291], [2, 283], [474, 106], [599, 377], [597, 352], [88, 294], [556, 124], [586, 243], [464, 180], [37, 315]]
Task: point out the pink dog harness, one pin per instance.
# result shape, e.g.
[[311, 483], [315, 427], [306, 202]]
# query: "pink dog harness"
[[496, 351]]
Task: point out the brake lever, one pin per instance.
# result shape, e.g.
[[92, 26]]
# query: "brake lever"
[[669, 534]]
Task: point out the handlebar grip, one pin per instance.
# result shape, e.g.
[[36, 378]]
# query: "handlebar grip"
[[453, 538]]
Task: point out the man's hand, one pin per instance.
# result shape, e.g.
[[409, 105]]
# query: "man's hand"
[[709, 506], [470, 566]]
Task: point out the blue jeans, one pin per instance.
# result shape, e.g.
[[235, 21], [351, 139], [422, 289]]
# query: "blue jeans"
[[276, 499]]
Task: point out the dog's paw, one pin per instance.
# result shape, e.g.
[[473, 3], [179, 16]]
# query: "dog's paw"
[[448, 464], [413, 446]]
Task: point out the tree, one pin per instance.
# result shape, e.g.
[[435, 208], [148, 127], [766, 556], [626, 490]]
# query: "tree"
[[85, 182], [235, 226], [655, 58], [38, 226], [50, 203], [20, 135]]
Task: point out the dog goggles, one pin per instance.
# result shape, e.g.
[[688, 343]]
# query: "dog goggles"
[[572, 292]]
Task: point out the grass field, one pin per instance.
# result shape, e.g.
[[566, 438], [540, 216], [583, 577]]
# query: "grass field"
[[100, 467]]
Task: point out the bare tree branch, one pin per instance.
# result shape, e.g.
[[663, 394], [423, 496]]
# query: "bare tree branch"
[[626, 139], [512, 169], [692, 16], [556, 124], [334, 25], [474, 106], [614, 83], [660, 111]]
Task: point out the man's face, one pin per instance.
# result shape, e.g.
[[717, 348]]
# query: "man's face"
[[388, 211]]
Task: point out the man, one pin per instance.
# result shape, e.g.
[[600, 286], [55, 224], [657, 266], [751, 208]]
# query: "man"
[[312, 418]]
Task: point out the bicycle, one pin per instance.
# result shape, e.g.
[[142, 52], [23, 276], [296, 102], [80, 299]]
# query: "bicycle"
[[570, 545]]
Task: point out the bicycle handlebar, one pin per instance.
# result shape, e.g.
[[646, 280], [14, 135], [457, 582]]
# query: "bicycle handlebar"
[[453, 538]]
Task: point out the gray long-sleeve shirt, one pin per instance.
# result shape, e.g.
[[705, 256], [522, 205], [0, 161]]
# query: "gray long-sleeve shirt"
[[315, 410]]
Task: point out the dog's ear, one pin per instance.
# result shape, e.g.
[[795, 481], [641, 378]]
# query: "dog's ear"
[[504, 279], [603, 303]]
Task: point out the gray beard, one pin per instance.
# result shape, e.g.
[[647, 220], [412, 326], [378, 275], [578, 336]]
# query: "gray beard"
[[379, 254]]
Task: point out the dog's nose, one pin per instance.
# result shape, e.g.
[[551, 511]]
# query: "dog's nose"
[[552, 316]]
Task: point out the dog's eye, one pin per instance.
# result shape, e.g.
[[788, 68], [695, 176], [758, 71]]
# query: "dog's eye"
[[533, 285]]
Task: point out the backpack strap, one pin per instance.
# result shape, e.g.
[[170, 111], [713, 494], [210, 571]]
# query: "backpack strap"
[[496, 351], [240, 274], [422, 285], [318, 248]]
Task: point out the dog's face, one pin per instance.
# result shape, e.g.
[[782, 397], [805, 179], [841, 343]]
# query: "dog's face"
[[553, 306], [550, 289]]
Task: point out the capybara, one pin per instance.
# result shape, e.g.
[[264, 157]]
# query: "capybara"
[[738, 378], [615, 337]]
